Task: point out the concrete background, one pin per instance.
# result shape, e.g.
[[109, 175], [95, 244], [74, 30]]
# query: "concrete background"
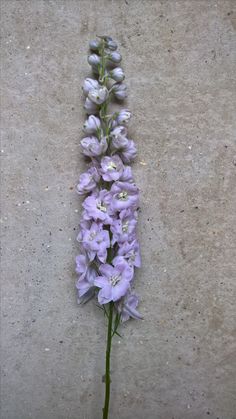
[[179, 59]]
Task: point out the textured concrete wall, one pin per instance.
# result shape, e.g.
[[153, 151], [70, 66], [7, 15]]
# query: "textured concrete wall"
[[179, 58]]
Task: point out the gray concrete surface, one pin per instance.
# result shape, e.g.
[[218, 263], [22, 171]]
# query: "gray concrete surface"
[[179, 363]]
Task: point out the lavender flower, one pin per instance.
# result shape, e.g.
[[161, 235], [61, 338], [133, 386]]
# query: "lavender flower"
[[98, 95], [89, 84], [85, 283], [107, 237], [124, 195], [90, 107], [97, 207], [96, 241], [123, 117], [127, 307], [111, 168], [130, 252], [88, 181], [120, 91], [128, 152], [92, 125], [123, 228], [114, 282], [92, 147]]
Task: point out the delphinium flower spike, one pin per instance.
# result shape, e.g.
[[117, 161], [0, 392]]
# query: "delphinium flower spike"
[[108, 241]]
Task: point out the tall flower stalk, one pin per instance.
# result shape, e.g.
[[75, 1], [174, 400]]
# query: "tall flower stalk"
[[107, 236]]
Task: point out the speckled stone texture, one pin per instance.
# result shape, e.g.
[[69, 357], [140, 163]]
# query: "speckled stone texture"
[[179, 60]]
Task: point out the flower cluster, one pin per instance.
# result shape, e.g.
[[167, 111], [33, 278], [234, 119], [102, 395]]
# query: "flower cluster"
[[108, 240]]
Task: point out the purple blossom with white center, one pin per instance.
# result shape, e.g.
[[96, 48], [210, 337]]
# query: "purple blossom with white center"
[[130, 252], [92, 147], [114, 282], [124, 195], [96, 241], [109, 248], [111, 168], [118, 137], [97, 207], [88, 181], [123, 229]]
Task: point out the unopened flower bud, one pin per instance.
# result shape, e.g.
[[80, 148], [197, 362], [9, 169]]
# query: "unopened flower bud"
[[120, 91], [112, 45], [94, 44], [117, 74], [123, 117], [99, 95], [92, 124], [89, 84], [94, 60], [90, 107], [115, 57]]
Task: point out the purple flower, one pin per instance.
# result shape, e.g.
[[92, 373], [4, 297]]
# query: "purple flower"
[[114, 282], [130, 252], [111, 168], [90, 107], [117, 74], [127, 175], [92, 147], [127, 307], [128, 152], [97, 207], [88, 181], [92, 125], [118, 137], [85, 283], [123, 229], [98, 95], [96, 241], [89, 84], [124, 195], [123, 117], [126, 147], [120, 91]]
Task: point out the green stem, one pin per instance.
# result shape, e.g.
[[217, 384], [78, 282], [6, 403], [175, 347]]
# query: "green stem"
[[108, 356]]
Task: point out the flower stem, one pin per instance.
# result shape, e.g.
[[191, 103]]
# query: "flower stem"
[[108, 355]]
